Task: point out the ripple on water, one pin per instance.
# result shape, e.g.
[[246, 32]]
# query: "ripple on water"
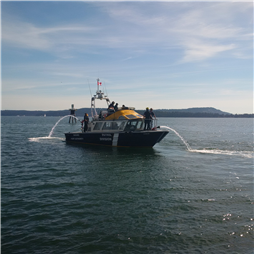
[[72, 199]]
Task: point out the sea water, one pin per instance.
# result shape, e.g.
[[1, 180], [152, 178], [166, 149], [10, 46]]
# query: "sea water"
[[60, 198]]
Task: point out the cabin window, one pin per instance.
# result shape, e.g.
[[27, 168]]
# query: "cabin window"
[[111, 125], [121, 126], [107, 126], [97, 126], [139, 125], [134, 125]]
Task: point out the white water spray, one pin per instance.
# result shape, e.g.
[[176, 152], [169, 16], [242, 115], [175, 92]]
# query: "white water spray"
[[51, 132], [246, 154], [187, 145], [38, 139]]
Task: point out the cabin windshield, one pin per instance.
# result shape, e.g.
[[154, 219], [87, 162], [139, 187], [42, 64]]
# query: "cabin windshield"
[[133, 125], [136, 115], [131, 116]]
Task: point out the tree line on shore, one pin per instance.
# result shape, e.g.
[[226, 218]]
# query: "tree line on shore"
[[158, 113]]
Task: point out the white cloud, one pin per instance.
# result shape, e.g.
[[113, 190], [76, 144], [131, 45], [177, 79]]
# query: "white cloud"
[[27, 35], [23, 35], [137, 49], [201, 30], [197, 51]]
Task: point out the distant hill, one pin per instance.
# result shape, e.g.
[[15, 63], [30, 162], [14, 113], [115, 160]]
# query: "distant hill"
[[197, 110], [189, 112]]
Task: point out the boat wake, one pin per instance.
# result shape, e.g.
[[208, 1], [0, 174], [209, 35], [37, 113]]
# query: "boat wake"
[[40, 139], [246, 154]]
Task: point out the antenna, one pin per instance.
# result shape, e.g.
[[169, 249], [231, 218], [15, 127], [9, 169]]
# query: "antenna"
[[89, 88], [90, 95], [106, 89]]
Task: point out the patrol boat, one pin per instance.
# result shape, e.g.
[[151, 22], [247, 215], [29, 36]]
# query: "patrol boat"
[[123, 127]]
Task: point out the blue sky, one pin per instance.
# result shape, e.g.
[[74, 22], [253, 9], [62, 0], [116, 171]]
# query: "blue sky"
[[164, 55]]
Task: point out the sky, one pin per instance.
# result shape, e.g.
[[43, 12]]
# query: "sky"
[[164, 55]]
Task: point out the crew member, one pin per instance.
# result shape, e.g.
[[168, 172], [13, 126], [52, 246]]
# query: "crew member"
[[148, 118], [111, 109], [124, 107], [152, 115], [111, 105], [86, 121]]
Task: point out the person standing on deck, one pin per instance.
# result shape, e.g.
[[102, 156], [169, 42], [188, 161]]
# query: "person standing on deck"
[[86, 121], [111, 109], [111, 105], [116, 107], [152, 116], [148, 118]]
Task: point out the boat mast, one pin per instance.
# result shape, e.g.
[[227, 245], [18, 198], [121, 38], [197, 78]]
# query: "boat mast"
[[99, 96]]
